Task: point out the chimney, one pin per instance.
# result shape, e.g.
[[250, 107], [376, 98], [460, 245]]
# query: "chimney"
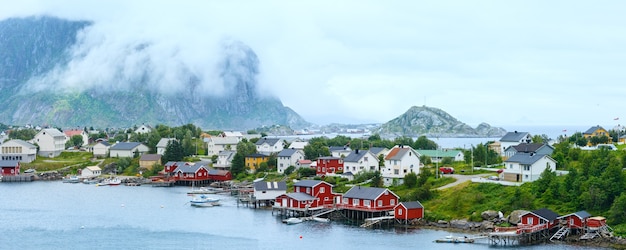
[[357, 151]]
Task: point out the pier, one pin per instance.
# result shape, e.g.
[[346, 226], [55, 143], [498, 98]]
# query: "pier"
[[17, 178]]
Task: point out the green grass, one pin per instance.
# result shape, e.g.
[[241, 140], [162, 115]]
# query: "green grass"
[[74, 159]]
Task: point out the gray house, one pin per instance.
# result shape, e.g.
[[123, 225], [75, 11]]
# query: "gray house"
[[18, 150]]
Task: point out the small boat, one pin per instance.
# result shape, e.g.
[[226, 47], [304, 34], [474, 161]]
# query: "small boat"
[[203, 190], [453, 239], [110, 182], [90, 181], [319, 219], [204, 201], [292, 220], [71, 179]]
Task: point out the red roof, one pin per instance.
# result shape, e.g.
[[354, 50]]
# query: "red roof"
[[72, 132], [304, 161]]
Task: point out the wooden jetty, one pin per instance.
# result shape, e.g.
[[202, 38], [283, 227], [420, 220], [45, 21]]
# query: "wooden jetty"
[[18, 178]]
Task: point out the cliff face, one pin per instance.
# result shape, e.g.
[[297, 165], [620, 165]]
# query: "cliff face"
[[433, 122], [39, 51]]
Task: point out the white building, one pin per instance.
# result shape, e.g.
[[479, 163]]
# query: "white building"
[[288, 157], [400, 161], [224, 159], [360, 161], [216, 144], [268, 146], [162, 145], [91, 172], [51, 142], [72, 132], [18, 150], [128, 149], [269, 190], [514, 139], [527, 167], [101, 149], [143, 129]]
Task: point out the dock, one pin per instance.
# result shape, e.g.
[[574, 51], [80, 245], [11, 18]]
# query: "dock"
[[17, 178]]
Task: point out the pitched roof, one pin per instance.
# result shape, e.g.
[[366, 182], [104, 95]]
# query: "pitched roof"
[[73, 132], [513, 136], [256, 156], [52, 132], [163, 142], [223, 140], [300, 196], [125, 145], [150, 157], [226, 153], [580, 214], [187, 168], [270, 141], [298, 144], [397, 153], [412, 204], [6, 163], [355, 156], [546, 214], [307, 183], [593, 129], [339, 148], [94, 168], [304, 161], [105, 143], [526, 158], [267, 186], [376, 150], [365, 193], [527, 147], [287, 152], [21, 143], [218, 172]]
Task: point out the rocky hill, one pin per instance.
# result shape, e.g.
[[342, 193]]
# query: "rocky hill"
[[46, 78], [433, 122]]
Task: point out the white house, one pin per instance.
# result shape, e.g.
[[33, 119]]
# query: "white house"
[[18, 150], [224, 159], [513, 139], [101, 149], [236, 134], [527, 167], [72, 132], [91, 172], [268, 146], [51, 142], [298, 145], [143, 129], [340, 152], [288, 157], [268, 191], [379, 151], [127, 149], [537, 148], [162, 145], [360, 161], [216, 144], [400, 161]]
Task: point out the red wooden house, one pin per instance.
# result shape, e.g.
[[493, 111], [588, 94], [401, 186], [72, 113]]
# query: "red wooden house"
[[369, 199], [170, 166], [189, 172], [220, 175], [409, 211], [308, 194], [329, 165], [596, 223], [576, 220], [10, 167], [538, 220]]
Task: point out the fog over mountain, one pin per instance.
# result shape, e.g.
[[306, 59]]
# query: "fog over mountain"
[[79, 73]]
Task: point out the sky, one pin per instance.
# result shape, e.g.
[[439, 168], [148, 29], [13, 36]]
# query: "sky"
[[506, 63]]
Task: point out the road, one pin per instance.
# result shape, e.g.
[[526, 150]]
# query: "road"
[[460, 179]]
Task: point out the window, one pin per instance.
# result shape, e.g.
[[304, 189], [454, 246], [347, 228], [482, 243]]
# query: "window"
[[325, 198], [365, 158], [392, 202], [345, 201], [400, 211], [380, 203], [322, 189], [366, 203], [511, 165], [396, 171], [355, 202], [308, 190], [526, 168]]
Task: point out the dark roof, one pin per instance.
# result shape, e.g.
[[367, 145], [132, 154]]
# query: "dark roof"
[[593, 129], [150, 157], [288, 152], [527, 147], [266, 186], [513, 136], [256, 156], [364, 193], [580, 214], [355, 156], [545, 213], [338, 148], [125, 145], [301, 196], [376, 150], [105, 143], [526, 158], [189, 168], [270, 141], [412, 204], [9, 163], [307, 183]]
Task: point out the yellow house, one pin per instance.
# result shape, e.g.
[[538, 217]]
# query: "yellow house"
[[254, 160], [596, 131]]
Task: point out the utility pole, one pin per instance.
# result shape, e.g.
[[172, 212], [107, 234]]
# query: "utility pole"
[[472, 150]]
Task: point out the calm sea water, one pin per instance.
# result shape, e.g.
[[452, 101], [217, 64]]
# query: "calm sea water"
[[55, 215]]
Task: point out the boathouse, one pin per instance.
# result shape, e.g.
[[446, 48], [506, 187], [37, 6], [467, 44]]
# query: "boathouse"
[[308, 195], [368, 202], [266, 192], [408, 211], [191, 173], [537, 217], [10, 168], [220, 175], [576, 220], [329, 165]]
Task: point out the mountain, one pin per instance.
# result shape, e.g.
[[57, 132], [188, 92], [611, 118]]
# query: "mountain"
[[434, 122], [52, 72]]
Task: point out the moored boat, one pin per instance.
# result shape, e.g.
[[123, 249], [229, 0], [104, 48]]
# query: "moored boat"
[[453, 239], [71, 179], [204, 201], [292, 220]]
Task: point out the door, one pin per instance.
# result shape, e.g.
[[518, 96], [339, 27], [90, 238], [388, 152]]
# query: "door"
[[284, 202]]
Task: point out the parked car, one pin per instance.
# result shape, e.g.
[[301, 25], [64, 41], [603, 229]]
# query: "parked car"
[[30, 170], [446, 170], [494, 178]]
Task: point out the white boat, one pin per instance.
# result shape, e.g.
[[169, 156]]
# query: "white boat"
[[71, 179], [453, 239], [204, 201], [110, 182], [318, 219], [293, 220], [90, 181]]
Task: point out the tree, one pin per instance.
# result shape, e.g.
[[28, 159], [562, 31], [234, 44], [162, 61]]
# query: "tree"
[[290, 170], [423, 142], [238, 164], [23, 134], [410, 180], [377, 180], [75, 141], [306, 172], [317, 147], [173, 152], [617, 213]]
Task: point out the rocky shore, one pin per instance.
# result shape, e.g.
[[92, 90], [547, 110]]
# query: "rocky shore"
[[492, 219]]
